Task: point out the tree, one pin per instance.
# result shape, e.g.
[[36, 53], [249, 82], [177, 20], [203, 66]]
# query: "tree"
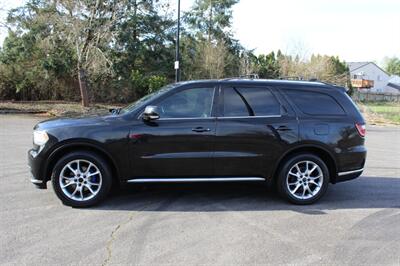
[[267, 66], [3, 24], [321, 67], [34, 67], [213, 57], [58, 48], [84, 26], [144, 42], [211, 18], [88, 27], [119, 50], [208, 40], [393, 66], [248, 63]]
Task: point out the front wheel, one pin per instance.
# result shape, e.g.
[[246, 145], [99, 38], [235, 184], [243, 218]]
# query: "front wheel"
[[303, 179], [81, 179]]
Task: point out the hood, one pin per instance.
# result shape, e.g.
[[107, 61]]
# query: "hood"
[[72, 122]]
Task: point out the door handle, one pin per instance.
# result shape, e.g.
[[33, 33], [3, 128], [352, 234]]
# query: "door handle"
[[282, 128], [201, 129]]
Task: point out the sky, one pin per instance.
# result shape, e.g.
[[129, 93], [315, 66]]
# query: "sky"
[[354, 30]]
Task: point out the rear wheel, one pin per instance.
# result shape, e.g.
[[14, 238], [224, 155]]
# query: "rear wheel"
[[303, 179], [81, 179]]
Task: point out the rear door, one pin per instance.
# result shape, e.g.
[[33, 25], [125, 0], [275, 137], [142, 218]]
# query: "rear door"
[[254, 127]]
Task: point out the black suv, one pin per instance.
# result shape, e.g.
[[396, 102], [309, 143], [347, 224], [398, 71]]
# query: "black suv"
[[298, 135]]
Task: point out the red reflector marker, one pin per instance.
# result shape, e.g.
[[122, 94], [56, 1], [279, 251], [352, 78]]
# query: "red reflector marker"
[[361, 129], [135, 136]]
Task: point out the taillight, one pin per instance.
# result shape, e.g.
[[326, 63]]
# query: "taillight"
[[361, 129]]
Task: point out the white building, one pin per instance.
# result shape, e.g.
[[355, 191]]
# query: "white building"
[[369, 71]]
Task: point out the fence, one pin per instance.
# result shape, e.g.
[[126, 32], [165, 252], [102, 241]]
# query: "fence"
[[375, 97]]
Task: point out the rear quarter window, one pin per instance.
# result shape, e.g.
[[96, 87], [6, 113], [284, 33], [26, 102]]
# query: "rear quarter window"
[[315, 103]]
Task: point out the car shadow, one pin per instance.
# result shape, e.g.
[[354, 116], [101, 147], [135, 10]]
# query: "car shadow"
[[364, 192]]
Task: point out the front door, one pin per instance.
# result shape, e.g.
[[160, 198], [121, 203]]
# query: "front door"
[[253, 130], [181, 142]]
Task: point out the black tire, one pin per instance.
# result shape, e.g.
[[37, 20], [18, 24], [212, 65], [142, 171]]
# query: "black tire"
[[105, 179], [284, 179]]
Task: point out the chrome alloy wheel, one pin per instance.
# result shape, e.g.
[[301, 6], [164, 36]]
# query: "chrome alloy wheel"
[[304, 180], [80, 180]]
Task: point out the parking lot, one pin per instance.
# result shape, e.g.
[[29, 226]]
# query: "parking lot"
[[357, 222]]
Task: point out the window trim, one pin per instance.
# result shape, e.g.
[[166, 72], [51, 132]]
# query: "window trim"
[[220, 114], [246, 117], [187, 118]]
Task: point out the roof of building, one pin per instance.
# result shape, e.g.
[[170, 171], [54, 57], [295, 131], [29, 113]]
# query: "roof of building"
[[394, 82], [356, 65], [394, 79], [394, 86]]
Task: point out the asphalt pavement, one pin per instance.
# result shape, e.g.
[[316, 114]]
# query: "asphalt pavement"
[[356, 223]]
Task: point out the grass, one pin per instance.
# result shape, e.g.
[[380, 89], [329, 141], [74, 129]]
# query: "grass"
[[381, 112], [54, 108]]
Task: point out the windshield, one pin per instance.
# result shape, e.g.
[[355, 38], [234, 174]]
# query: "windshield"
[[145, 99]]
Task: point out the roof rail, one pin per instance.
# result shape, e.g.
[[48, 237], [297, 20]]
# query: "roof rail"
[[249, 76], [328, 83], [291, 78], [304, 79]]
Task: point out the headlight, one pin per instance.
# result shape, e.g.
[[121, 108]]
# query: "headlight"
[[40, 137]]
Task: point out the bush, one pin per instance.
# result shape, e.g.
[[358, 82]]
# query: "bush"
[[143, 85], [156, 82]]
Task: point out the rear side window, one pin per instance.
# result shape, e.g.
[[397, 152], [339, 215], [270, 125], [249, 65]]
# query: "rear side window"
[[315, 103], [250, 102], [233, 104]]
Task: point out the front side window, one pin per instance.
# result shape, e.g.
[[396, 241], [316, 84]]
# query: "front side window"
[[250, 102], [146, 98], [190, 103]]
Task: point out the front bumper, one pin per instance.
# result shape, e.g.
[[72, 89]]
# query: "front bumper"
[[35, 163]]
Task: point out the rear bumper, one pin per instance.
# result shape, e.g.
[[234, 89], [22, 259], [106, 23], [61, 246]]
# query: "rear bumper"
[[348, 175], [351, 163]]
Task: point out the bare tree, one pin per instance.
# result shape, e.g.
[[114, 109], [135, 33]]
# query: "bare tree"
[[87, 26], [318, 67], [3, 12], [214, 55], [298, 48], [247, 66]]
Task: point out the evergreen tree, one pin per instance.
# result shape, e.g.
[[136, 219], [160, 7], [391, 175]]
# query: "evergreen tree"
[[393, 66], [211, 19]]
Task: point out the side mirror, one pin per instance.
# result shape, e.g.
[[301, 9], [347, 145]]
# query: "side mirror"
[[150, 113], [114, 110]]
